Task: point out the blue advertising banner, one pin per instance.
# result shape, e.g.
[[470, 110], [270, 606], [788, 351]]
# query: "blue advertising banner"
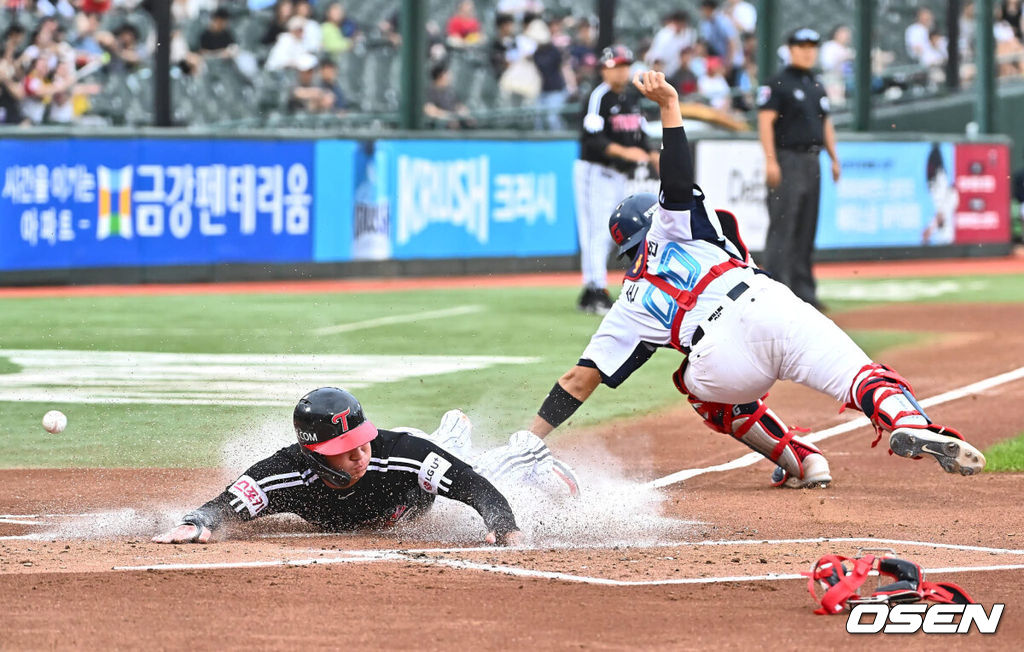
[[336, 169], [88, 203], [889, 194], [451, 199]]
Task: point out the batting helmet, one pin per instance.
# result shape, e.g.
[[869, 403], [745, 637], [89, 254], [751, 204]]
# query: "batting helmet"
[[631, 220], [616, 55], [330, 421]]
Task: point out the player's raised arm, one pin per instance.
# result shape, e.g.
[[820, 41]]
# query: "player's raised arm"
[[676, 163]]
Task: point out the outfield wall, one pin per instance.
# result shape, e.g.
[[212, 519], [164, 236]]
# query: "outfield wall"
[[196, 207]]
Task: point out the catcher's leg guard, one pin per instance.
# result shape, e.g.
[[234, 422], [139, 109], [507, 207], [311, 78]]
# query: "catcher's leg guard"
[[888, 400], [759, 428]]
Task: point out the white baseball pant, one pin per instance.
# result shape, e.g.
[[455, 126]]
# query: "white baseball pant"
[[598, 191], [769, 334]]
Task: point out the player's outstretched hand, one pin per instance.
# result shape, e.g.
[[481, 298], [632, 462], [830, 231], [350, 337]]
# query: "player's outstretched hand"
[[513, 538], [186, 533], [654, 87]]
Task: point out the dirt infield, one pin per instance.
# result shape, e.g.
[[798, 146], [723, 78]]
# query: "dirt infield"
[[722, 576]]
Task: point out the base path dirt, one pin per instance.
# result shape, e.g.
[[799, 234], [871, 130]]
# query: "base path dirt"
[[714, 581]]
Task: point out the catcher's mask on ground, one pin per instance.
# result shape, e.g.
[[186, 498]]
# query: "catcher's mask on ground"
[[329, 422], [631, 220]]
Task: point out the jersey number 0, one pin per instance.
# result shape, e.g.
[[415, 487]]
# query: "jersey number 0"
[[681, 270]]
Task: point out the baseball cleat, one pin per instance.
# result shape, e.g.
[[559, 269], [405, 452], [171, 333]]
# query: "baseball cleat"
[[594, 300], [953, 454], [817, 474], [565, 473], [454, 433]]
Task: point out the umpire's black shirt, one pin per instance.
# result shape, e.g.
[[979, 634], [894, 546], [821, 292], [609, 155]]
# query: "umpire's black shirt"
[[404, 475], [799, 98]]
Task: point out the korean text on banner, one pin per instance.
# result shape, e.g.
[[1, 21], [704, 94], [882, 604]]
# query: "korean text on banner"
[[452, 199], [91, 203]]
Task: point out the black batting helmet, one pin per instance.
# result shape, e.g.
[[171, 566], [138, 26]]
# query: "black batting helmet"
[[631, 220], [330, 421]]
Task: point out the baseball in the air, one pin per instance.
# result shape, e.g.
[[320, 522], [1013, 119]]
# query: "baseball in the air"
[[54, 421]]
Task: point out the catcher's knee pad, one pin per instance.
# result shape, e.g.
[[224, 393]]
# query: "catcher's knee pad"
[[760, 429], [886, 398]]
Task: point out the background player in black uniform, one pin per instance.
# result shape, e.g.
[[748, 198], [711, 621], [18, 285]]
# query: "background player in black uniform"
[[344, 473], [613, 147], [793, 124]]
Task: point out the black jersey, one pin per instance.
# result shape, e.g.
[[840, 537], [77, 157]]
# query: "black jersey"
[[610, 117], [799, 98], [404, 476]]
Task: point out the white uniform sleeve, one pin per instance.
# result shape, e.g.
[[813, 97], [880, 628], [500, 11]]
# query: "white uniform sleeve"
[[622, 344]]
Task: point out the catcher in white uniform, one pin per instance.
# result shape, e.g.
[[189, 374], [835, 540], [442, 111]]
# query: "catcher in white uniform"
[[694, 287]]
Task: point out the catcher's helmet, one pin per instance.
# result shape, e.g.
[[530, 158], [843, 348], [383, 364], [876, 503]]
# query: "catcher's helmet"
[[631, 220], [616, 55], [330, 421]]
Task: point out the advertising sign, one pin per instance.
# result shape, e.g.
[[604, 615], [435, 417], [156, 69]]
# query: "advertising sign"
[[731, 174], [452, 199], [88, 203]]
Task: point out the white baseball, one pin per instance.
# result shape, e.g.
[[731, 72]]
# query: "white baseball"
[[54, 421]]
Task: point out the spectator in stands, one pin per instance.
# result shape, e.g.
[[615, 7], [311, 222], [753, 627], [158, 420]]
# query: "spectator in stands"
[[39, 89], [90, 42], [11, 90], [559, 37], [55, 7], [329, 82], [967, 32], [391, 30], [582, 51], [556, 76], [523, 11], [184, 11], [1008, 49], [94, 6], [289, 49], [916, 39], [463, 27], [128, 54], [307, 96], [742, 14], [338, 32], [836, 60], [503, 44], [684, 81], [217, 40], [61, 109], [442, 103], [669, 41], [1011, 13], [311, 37], [720, 35], [283, 12], [714, 87]]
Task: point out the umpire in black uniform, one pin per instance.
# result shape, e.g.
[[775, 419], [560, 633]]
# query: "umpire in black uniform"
[[793, 124]]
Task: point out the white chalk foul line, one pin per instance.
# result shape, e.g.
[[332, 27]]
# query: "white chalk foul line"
[[413, 555], [397, 319], [752, 458]]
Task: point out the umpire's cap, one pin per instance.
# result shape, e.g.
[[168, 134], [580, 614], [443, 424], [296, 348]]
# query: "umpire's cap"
[[330, 421], [631, 220], [804, 35], [616, 55]]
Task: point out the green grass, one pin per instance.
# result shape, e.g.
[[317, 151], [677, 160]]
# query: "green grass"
[[843, 294], [512, 322], [1006, 455]]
